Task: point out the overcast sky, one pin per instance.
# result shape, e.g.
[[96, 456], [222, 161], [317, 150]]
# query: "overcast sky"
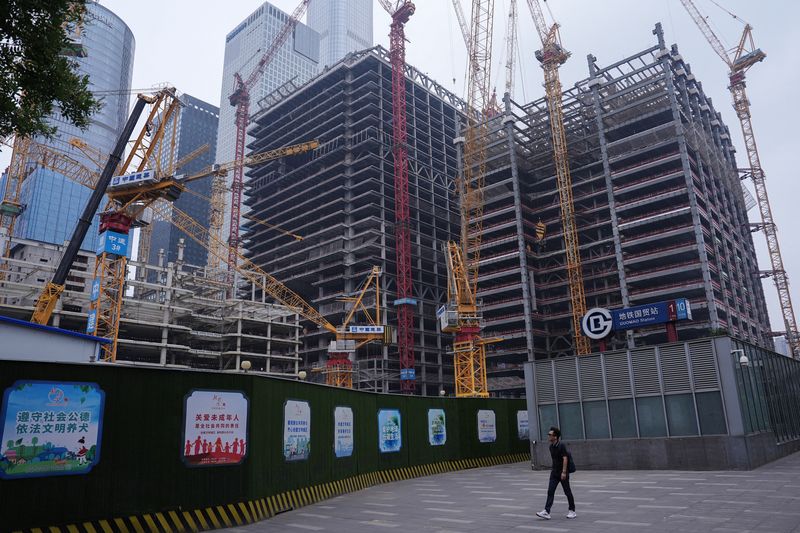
[[183, 42]]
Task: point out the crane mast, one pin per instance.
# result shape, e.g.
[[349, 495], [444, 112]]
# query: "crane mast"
[[240, 99], [511, 46], [401, 11], [461, 315], [551, 56], [739, 61]]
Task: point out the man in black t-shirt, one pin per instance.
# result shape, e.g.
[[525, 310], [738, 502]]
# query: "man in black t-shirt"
[[559, 474]]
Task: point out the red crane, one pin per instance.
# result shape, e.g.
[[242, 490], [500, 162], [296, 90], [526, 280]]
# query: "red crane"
[[240, 99], [401, 11]]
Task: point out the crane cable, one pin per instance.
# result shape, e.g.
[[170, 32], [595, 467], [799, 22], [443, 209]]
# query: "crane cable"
[[202, 196]]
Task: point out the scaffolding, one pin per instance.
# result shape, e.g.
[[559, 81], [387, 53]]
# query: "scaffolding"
[[173, 314]]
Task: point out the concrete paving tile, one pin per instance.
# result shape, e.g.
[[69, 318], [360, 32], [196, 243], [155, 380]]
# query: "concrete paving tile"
[[505, 498]]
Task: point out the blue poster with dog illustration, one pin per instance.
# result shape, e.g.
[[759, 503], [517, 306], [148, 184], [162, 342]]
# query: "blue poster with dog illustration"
[[50, 429]]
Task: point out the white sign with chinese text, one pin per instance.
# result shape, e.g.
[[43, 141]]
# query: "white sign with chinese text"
[[487, 429], [343, 432], [296, 430], [523, 431], [215, 428]]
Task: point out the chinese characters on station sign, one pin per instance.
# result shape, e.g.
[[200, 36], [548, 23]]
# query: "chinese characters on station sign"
[[487, 429], [389, 430], [343, 432], [215, 428], [650, 314], [296, 430], [437, 427], [50, 429]]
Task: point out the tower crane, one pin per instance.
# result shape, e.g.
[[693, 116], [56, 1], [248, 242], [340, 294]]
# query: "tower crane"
[[162, 106], [461, 315], [10, 203], [348, 337], [511, 46], [130, 195], [401, 11], [132, 199], [552, 56], [240, 99], [739, 61]]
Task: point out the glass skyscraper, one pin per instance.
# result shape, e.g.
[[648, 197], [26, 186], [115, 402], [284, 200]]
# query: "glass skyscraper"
[[296, 62], [344, 26], [197, 125], [53, 202]]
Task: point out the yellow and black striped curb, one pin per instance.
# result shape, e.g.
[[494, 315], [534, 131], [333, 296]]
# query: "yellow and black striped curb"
[[243, 513]]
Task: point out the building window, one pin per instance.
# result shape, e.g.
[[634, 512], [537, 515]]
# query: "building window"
[[651, 417]]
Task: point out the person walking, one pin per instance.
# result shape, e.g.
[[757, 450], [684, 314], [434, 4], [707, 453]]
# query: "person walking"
[[559, 474]]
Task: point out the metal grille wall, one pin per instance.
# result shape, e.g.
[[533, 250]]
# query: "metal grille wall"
[[681, 377]]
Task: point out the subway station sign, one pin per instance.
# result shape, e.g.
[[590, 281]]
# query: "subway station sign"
[[598, 322], [651, 314]]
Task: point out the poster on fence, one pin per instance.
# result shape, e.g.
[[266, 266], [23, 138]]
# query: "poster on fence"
[[296, 430], [389, 430], [487, 429], [215, 428], [523, 431], [50, 428], [343, 432], [437, 427]]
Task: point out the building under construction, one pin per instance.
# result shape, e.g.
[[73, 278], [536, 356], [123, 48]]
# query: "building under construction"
[[661, 214], [175, 314], [340, 198]]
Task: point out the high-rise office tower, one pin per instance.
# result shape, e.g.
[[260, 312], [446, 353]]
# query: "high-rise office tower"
[[295, 63], [197, 126], [343, 25], [52, 201]]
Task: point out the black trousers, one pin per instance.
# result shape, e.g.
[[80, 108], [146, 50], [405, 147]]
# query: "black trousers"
[[555, 479]]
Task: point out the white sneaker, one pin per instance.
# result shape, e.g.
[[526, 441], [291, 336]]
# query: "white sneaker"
[[543, 514], [572, 514]]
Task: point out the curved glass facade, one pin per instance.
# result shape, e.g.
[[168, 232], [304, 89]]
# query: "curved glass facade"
[[52, 201]]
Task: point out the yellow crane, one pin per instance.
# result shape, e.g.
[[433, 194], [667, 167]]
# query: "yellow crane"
[[131, 200], [552, 56], [351, 336], [739, 61], [130, 195], [460, 315], [162, 106], [348, 336], [11, 204]]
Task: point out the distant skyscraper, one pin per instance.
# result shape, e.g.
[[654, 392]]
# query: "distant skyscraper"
[[52, 201], [197, 126], [344, 26], [296, 61]]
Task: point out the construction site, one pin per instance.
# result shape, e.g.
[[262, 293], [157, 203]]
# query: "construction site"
[[387, 235]]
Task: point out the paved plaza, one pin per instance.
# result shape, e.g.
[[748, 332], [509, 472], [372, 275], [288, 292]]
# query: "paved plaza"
[[505, 498]]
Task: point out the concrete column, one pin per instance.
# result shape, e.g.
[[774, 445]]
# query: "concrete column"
[[594, 84], [666, 66], [526, 279]]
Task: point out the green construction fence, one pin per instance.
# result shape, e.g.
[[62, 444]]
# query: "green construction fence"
[[141, 470]]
